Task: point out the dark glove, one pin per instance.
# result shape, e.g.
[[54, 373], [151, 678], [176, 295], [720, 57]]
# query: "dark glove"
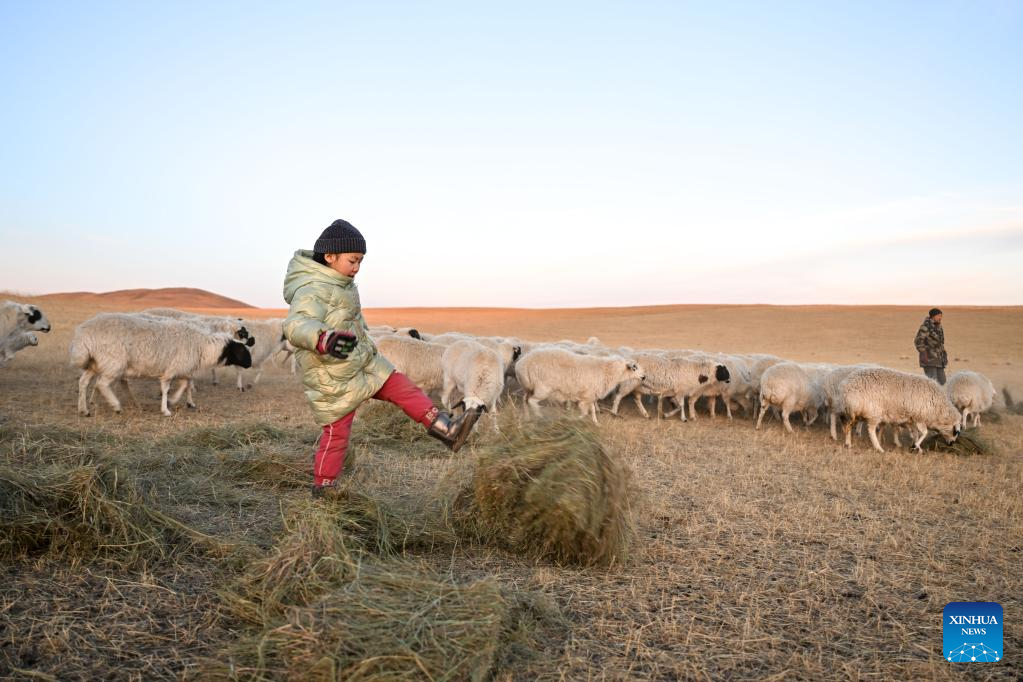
[[337, 344]]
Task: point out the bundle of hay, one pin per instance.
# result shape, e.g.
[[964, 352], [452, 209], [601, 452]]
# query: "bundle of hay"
[[548, 489], [393, 621], [969, 442]]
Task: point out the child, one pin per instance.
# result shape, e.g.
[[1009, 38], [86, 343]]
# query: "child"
[[341, 367]]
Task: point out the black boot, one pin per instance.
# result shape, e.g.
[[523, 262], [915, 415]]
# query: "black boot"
[[452, 431]]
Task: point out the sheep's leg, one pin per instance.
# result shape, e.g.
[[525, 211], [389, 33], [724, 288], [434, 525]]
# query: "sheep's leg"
[[259, 375], [872, 431], [692, 406], [103, 385], [213, 374], [728, 408], [638, 398], [922, 428], [533, 404], [660, 406], [785, 412], [814, 412], [241, 379], [589, 410], [83, 389], [763, 410], [895, 436], [189, 400], [833, 423], [618, 401], [713, 400], [445, 395], [847, 428], [182, 385], [976, 419], [164, 388]]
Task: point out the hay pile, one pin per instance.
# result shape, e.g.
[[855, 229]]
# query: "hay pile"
[[393, 621], [548, 489], [969, 442], [82, 511], [327, 606]]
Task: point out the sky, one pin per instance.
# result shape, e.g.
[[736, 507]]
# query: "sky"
[[548, 154]]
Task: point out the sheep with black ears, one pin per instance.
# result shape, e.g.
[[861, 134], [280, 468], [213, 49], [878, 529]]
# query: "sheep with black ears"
[[477, 373], [878, 395], [111, 346], [971, 393], [26, 317], [685, 377], [558, 374]]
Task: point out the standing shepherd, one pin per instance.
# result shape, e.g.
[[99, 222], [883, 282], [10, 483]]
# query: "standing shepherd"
[[930, 343]]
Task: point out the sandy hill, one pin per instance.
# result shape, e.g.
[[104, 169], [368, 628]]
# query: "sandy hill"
[[172, 297]]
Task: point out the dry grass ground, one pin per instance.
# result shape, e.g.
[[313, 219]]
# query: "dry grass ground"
[[758, 556]]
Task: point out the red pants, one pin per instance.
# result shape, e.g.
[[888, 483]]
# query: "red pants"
[[398, 389]]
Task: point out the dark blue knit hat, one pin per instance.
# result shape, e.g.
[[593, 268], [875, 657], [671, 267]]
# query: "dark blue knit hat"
[[340, 237]]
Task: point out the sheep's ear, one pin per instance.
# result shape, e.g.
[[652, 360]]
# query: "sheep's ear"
[[33, 314], [702, 378], [250, 342]]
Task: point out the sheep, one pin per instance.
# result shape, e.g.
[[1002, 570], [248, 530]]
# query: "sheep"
[[972, 393], [14, 342], [737, 388], [477, 372], [420, 361], [267, 340], [215, 323], [447, 338], [111, 346], [558, 374], [829, 393], [879, 395], [16, 316], [654, 367], [686, 376], [790, 387], [507, 349]]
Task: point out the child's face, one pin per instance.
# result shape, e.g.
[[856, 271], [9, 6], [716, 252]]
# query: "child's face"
[[345, 263]]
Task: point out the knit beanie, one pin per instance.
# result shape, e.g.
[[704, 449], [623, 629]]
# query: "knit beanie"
[[934, 311], [340, 237]]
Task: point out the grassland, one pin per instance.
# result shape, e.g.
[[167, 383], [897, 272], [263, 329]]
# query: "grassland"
[[144, 547]]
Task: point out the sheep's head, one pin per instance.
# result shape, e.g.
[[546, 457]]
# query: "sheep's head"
[[721, 374], [414, 333], [35, 319], [633, 369], [516, 352], [950, 432], [241, 333], [236, 354]]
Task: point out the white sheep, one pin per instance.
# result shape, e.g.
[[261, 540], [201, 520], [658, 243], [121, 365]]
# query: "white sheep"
[[686, 376], [829, 393], [419, 360], [558, 374], [878, 395], [655, 367], [736, 389], [26, 317], [477, 373], [111, 346], [214, 323], [14, 342], [971, 393], [791, 388]]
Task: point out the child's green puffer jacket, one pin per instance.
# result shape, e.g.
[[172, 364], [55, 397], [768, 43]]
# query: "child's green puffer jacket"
[[322, 299]]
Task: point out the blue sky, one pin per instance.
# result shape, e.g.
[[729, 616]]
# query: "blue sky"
[[523, 154]]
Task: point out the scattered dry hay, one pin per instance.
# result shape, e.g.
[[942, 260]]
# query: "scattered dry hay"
[[393, 622], [969, 442], [83, 511], [549, 489]]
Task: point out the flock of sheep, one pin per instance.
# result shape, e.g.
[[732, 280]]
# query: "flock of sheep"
[[476, 371], [481, 369]]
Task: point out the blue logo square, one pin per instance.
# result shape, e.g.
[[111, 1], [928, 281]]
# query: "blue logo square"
[[972, 632]]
